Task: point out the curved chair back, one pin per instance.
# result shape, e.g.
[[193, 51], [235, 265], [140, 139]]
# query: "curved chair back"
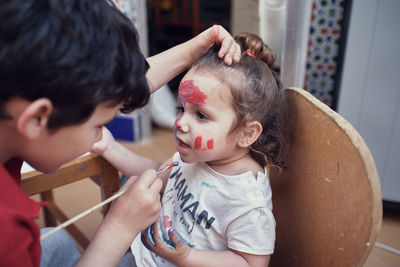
[[327, 202]]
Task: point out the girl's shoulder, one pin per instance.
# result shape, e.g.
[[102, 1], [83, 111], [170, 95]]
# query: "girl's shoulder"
[[243, 165], [249, 164]]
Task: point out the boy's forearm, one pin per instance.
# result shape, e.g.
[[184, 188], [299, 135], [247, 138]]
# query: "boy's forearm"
[[168, 64], [106, 248], [132, 212], [128, 162]]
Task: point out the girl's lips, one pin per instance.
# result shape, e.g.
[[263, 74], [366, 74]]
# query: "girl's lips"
[[182, 147], [183, 144]]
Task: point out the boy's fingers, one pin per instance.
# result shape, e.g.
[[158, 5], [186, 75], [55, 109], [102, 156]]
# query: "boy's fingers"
[[233, 55], [129, 182], [212, 35], [237, 53], [225, 46], [147, 178], [155, 187], [229, 49], [217, 34]]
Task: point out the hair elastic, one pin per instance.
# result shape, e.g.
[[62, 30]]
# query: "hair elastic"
[[250, 52]]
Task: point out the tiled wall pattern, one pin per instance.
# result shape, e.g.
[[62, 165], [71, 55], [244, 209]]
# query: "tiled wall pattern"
[[326, 33]]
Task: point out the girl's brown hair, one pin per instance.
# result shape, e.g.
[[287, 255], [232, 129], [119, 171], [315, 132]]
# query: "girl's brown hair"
[[257, 95]]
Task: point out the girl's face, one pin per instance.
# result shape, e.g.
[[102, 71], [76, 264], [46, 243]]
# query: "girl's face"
[[204, 121]]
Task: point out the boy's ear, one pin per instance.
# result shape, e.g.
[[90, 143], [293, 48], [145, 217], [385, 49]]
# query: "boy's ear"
[[33, 120], [249, 134]]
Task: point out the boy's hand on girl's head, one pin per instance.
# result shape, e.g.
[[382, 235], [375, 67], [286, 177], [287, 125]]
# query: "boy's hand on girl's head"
[[107, 139], [229, 50], [139, 206], [177, 255]]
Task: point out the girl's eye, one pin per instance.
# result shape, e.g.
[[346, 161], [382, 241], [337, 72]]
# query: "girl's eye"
[[202, 116], [180, 109]]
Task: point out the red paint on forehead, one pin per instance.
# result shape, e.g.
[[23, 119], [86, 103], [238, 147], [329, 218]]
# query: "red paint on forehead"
[[190, 92]]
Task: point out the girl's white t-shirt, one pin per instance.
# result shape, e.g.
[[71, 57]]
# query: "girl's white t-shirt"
[[215, 212]]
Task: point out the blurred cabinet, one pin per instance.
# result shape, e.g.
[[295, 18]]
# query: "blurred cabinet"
[[179, 13]]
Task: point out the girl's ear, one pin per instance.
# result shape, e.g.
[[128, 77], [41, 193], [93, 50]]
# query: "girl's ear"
[[33, 120], [250, 133]]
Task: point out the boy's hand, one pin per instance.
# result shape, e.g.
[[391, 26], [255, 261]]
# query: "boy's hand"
[[106, 141], [139, 206], [176, 255], [229, 50]]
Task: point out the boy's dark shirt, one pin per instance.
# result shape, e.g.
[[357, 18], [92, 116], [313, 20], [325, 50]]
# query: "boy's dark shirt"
[[19, 234]]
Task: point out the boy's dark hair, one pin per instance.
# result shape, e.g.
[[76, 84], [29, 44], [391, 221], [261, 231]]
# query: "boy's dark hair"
[[257, 95], [77, 53]]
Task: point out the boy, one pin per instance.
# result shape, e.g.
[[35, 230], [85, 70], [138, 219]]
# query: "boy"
[[66, 69]]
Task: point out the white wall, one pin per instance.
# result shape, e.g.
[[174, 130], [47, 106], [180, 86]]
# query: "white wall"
[[244, 16], [370, 90]]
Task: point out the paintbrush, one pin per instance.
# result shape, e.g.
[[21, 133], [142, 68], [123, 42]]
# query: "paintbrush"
[[104, 202]]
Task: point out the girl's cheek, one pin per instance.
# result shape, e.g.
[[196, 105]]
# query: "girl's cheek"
[[208, 144], [197, 142]]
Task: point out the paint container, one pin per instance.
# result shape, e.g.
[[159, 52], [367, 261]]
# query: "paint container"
[[132, 127]]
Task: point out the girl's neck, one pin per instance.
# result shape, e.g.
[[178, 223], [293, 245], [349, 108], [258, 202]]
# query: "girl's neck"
[[242, 162]]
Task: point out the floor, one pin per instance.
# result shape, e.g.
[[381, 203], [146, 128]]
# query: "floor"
[[79, 196]]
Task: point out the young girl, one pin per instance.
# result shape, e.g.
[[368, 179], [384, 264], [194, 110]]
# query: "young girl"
[[230, 126]]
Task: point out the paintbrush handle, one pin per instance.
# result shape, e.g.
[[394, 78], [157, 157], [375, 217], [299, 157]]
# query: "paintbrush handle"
[[83, 214]]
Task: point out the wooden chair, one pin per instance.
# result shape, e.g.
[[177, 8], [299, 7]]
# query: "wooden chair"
[[327, 203], [90, 166]]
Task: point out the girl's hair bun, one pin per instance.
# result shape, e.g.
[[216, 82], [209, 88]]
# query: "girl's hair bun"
[[251, 42]]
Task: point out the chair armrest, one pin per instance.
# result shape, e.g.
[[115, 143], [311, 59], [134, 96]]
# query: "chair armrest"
[[35, 182]]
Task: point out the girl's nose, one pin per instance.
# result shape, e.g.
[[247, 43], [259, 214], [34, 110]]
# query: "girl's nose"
[[182, 125]]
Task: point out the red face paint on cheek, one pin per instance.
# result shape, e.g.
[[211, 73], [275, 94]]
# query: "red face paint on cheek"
[[210, 144], [189, 92], [197, 143]]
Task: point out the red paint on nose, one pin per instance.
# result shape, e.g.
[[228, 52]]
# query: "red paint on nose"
[[178, 124], [210, 144], [197, 143]]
